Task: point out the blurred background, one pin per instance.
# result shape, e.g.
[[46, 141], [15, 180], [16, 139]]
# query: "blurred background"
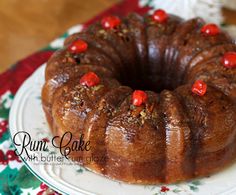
[[28, 25]]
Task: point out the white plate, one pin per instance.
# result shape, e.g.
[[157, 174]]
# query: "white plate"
[[27, 115]]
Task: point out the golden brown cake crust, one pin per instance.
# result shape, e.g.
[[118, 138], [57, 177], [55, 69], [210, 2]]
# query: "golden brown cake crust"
[[175, 135]]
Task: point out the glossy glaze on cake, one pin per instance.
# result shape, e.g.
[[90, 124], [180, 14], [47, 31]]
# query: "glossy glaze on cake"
[[154, 95]]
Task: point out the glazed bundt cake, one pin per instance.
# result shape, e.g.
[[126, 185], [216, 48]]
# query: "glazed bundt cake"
[[155, 96]]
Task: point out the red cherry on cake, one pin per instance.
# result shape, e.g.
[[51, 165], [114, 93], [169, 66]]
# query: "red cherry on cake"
[[210, 30], [78, 46], [90, 79], [160, 16], [199, 88], [229, 60], [139, 97], [110, 22]]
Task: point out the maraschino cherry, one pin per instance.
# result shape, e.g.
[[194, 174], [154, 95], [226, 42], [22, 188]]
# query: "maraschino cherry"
[[160, 16], [210, 30], [90, 79], [110, 22], [229, 60], [78, 46], [139, 97], [199, 88]]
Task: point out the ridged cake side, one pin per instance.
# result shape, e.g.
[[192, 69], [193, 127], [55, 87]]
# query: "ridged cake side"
[[175, 135]]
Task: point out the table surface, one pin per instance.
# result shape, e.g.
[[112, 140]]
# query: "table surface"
[[25, 29]]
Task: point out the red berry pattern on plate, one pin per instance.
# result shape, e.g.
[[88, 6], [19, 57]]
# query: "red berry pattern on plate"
[[210, 30], [160, 16], [110, 22], [46, 190], [164, 189], [45, 140], [139, 97], [199, 88], [41, 192], [90, 79], [43, 186], [229, 60], [78, 46]]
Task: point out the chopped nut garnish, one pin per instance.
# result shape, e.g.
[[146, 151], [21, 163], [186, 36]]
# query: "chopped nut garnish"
[[96, 88]]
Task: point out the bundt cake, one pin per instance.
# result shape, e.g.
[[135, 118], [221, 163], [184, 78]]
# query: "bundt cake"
[[154, 95]]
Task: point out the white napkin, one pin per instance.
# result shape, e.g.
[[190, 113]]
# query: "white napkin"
[[210, 10]]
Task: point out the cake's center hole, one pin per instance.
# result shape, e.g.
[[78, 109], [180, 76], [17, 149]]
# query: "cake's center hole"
[[149, 80]]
